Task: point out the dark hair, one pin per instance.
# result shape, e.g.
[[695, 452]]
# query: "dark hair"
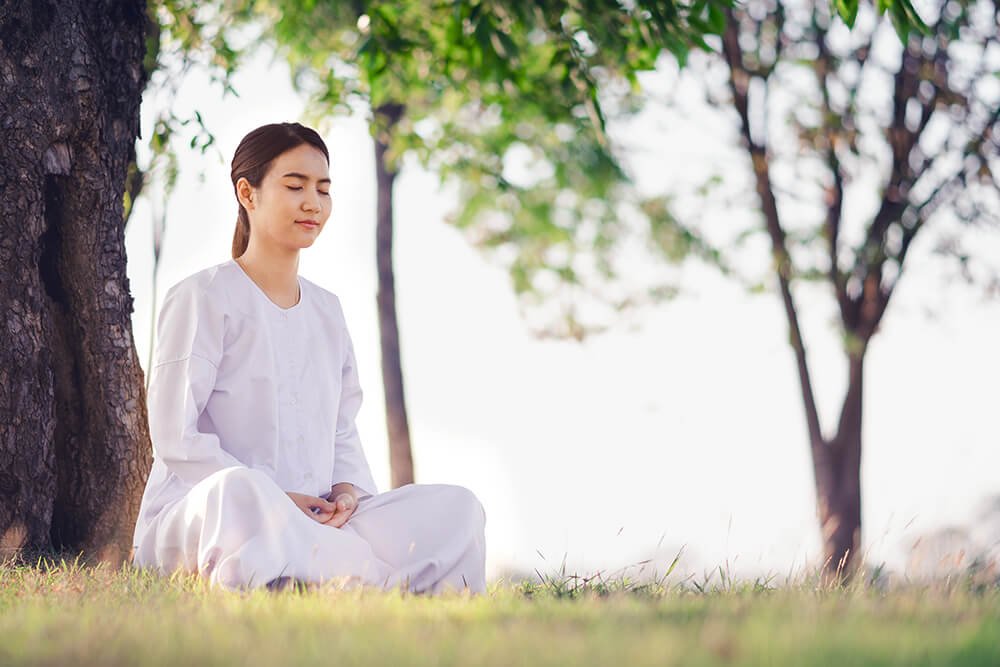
[[253, 158]]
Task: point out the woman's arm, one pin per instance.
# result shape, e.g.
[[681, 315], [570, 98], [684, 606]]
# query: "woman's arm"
[[190, 333], [350, 464]]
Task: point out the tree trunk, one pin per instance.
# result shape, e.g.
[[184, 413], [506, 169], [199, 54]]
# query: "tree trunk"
[[836, 462], [837, 468], [400, 452], [74, 441]]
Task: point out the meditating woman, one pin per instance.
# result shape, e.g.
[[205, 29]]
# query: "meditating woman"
[[259, 477]]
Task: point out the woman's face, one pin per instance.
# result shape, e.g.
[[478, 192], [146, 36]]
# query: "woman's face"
[[292, 204]]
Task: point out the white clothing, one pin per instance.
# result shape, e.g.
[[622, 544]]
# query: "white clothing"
[[248, 400]]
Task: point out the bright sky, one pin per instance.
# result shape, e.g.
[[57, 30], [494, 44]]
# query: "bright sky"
[[683, 426]]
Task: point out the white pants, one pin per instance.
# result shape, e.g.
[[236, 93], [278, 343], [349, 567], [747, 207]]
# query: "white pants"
[[240, 529]]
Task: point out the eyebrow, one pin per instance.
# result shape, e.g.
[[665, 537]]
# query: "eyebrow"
[[295, 174]]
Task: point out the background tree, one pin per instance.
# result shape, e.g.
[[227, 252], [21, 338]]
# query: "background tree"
[[74, 443], [821, 113], [936, 121]]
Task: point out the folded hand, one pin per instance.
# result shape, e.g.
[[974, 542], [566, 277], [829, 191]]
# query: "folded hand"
[[344, 506], [317, 508]]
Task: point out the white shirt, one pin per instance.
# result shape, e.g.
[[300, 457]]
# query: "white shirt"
[[237, 380]]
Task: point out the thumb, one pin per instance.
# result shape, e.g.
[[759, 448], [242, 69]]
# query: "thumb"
[[322, 504]]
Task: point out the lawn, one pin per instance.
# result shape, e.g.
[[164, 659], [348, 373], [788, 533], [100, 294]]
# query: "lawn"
[[63, 613]]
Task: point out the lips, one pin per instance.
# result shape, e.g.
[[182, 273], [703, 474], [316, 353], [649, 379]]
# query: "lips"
[[312, 224]]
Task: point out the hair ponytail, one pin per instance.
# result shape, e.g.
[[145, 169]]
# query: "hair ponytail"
[[253, 158], [241, 238]]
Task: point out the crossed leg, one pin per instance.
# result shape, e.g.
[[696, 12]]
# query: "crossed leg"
[[239, 529], [432, 536]]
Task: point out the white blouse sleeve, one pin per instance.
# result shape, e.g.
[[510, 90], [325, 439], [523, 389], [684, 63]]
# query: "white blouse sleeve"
[[190, 333], [349, 461]]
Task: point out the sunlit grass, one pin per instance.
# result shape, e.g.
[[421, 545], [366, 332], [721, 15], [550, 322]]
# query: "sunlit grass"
[[61, 611]]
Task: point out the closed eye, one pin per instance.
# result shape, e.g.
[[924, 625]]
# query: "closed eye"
[[299, 188]]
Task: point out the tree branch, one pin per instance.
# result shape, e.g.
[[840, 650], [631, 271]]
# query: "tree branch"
[[871, 304], [739, 80], [835, 195]]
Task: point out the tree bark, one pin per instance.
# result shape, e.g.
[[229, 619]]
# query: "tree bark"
[[837, 471], [74, 441], [400, 451]]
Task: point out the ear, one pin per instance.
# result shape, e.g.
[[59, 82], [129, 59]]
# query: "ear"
[[245, 193]]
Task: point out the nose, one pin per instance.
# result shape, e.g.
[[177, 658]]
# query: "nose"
[[312, 203]]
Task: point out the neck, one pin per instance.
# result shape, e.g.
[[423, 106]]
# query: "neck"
[[274, 269]]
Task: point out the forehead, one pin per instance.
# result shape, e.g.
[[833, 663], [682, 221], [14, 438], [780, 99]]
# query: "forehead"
[[305, 160]]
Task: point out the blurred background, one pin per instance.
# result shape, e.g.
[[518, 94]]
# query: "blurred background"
[[680, 423]]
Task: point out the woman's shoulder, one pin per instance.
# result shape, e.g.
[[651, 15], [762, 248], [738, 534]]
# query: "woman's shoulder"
[[326, 299], [211, 283], [193, 316]]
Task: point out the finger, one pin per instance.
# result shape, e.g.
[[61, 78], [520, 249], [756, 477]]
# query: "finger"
[[345, 516], [337, 520], [320, 513], [328, 505], [323, 505]]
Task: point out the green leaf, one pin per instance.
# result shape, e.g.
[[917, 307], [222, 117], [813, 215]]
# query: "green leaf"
[[913, 17], [900, 21], [716, 19], [848, 10]]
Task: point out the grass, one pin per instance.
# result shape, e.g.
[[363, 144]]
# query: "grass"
[[62, 612]]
